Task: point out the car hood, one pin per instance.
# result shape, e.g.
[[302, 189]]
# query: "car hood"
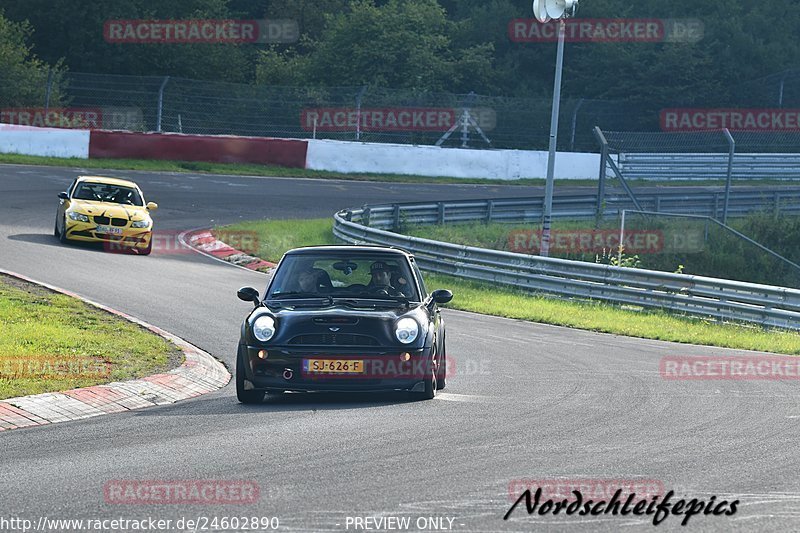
[[128, 212]]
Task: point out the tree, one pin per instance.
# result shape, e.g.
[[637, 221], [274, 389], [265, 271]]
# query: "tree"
[[74, 31], [23, 77], [400, 44]]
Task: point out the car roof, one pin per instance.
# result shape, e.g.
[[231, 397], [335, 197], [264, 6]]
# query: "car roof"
[[348, 248], [108, 181]]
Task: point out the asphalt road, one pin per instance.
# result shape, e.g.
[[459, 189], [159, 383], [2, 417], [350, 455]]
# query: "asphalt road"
[[528, 401]]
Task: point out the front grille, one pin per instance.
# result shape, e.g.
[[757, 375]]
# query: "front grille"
[[105, 221], [335, 339]]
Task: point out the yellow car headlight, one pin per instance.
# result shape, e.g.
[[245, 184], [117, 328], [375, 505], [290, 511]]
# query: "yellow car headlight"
[[80, 217], [140, 224]]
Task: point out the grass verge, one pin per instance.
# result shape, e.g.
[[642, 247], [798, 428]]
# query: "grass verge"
[[52, 342], [278, 236], [237, 169]]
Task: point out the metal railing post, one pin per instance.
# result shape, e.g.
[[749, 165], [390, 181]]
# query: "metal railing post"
[[731, 152], [621, 239], [160, 103], [601, 182]]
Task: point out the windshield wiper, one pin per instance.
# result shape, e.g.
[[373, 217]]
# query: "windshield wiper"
[[374, 301], [298, 295], [302, 296]]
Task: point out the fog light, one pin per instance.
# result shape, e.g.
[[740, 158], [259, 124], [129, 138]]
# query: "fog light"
[[405, 356], [262, 354]]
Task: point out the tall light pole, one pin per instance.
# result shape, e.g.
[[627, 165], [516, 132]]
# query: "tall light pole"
[[560, 10]]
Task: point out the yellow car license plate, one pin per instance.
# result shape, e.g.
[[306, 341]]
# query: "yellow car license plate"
[[108, 230], [333, 366]]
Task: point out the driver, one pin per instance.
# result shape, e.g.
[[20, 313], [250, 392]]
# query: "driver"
[[308, 281], [381, 277]]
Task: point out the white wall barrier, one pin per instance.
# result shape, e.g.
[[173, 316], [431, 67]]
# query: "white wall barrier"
[[51, 142], [348, 156]]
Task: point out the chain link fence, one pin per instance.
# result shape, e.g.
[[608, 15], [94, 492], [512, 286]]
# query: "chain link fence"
[[158, 103]]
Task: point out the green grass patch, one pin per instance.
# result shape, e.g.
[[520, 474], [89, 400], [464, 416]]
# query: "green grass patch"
[[717, 253], [51, 342], [278, 236]]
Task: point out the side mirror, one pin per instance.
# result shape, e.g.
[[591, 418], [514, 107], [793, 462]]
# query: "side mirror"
[[63, 196], [248, 294], [152, 206], [441, 296]]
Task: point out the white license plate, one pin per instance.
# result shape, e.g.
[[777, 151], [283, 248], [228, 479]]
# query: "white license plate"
[[108, 230]]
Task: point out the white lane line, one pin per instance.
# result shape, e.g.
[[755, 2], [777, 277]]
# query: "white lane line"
[[451, 397]]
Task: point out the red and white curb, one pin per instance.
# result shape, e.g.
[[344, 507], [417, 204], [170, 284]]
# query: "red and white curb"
[[199, 374], [204, 242]]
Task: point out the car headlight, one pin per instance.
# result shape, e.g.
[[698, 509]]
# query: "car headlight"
[[80, 217], [406, 330], [264, 328], [140, 223]]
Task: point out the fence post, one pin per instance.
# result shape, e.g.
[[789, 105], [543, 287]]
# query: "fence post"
[[574, 124], [601, 182], [48, 91], [396, 217], [489, 210], [731, 152], [440, 215], [160, 103], [359, 96]]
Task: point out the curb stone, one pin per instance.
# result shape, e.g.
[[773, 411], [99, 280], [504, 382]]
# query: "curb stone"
[[199, 374], [206, 243]]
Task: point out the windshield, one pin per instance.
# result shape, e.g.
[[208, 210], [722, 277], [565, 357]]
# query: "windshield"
[[362, 276], [104, 192]]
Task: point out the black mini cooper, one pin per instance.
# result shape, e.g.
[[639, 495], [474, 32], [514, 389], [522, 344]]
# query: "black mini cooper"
[[343, 318]]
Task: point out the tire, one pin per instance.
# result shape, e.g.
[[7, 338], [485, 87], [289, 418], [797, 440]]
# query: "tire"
[[245, 396], [147, 250], [55, 228], [62, 237], [441, 375], [430, 385]]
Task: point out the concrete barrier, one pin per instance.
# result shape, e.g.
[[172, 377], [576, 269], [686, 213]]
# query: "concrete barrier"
[[210, 148], [49, 142], [374, 158]]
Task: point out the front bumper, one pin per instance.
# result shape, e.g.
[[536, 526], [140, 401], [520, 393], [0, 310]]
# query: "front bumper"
[[284, 369], [128, 238]]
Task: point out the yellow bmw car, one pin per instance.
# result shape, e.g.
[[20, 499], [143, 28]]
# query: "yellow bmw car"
[[107, 210]]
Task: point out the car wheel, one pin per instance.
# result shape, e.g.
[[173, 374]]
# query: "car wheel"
[[430, 389], [147, 250], [62, 237], [245, 396], [55, 228], [441, 375]]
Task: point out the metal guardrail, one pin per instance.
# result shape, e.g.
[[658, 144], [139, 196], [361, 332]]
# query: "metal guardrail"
[[694, 295], [682, 166]]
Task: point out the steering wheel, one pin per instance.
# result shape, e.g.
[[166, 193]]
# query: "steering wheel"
[[385, 290]]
